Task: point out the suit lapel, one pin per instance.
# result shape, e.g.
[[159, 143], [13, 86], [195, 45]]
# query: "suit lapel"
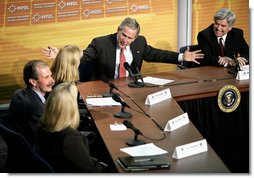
[[136, 54], [111, 55], [228, 45], [216, 44]]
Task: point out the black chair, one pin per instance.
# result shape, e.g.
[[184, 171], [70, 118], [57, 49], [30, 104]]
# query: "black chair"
[[43, 165], [186, 64], [20, 157]]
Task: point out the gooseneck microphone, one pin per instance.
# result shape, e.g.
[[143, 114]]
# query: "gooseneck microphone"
[[122, 113], [137, 132], [138, 73], [134, 76], [117, 98], [236, 68], [111, 85], [150, 117]]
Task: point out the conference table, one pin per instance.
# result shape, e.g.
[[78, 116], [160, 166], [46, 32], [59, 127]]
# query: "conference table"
[[196, 91], [188, 85]]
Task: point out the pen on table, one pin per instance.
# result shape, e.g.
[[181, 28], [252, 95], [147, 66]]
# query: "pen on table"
[[94, 96], [143, 160]]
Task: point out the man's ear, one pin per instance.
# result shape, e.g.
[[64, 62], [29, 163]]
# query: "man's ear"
[[32, 82]]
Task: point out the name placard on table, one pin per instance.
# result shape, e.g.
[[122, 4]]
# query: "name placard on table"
[[190, 149], [244, 73], [177, 122], [158, 97]]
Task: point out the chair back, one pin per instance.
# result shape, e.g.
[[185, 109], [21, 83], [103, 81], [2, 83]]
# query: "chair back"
[[44, 165], [20, 153], [192, 48]]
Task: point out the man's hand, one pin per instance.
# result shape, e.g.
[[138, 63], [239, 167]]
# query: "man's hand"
[[50, 52], [242, 61], [192, 56], [226, 61]]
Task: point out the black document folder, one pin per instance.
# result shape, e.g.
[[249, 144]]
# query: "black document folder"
[[129, 163]]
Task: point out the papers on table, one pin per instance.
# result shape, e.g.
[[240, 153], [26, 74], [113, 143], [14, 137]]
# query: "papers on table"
[[156, 81], [144, 150], [117, 127], [105, 101]]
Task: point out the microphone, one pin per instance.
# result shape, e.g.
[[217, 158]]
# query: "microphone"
[[111, 85], [137, 71], [136, 131], [122, 113], [117, 98], [150, 117], [236, 68], [134, 84]]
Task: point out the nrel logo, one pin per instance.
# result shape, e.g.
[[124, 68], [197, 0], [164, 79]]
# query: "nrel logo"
[[87, 12], [14, 8], [135, 7], [37, 17], [62, 4]]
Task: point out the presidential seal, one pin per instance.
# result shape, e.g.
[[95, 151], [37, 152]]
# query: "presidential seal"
[[228, 98]]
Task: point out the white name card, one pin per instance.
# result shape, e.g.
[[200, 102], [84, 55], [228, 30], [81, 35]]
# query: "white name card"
[[243, 75], [158, 97], [177, 122], [190, 149]]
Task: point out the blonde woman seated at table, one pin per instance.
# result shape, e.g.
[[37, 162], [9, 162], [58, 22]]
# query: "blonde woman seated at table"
[[58, 139], [66, 63], [65, 69]]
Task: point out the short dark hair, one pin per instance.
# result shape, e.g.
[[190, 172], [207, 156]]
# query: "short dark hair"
[[30, 70]]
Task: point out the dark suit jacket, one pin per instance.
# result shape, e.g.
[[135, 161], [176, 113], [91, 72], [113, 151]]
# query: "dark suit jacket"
[[100, 55], [234, 44], [25, 110], [67, 151]]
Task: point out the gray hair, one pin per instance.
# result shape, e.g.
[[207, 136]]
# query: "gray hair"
[[131, 23], [225, 14]]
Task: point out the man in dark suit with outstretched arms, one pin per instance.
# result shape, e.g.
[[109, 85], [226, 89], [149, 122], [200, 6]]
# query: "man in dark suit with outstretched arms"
[[103, 53]]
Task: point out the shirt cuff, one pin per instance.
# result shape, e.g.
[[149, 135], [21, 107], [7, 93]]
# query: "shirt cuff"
[[180, 57]]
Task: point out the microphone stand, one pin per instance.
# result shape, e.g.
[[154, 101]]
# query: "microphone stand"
[[236, 68], [123, 114], [110, 93], [136, 84], [139, 74], [135, 141]]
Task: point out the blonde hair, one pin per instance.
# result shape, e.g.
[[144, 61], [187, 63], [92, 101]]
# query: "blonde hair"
[[61, 108], [65, 65]]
